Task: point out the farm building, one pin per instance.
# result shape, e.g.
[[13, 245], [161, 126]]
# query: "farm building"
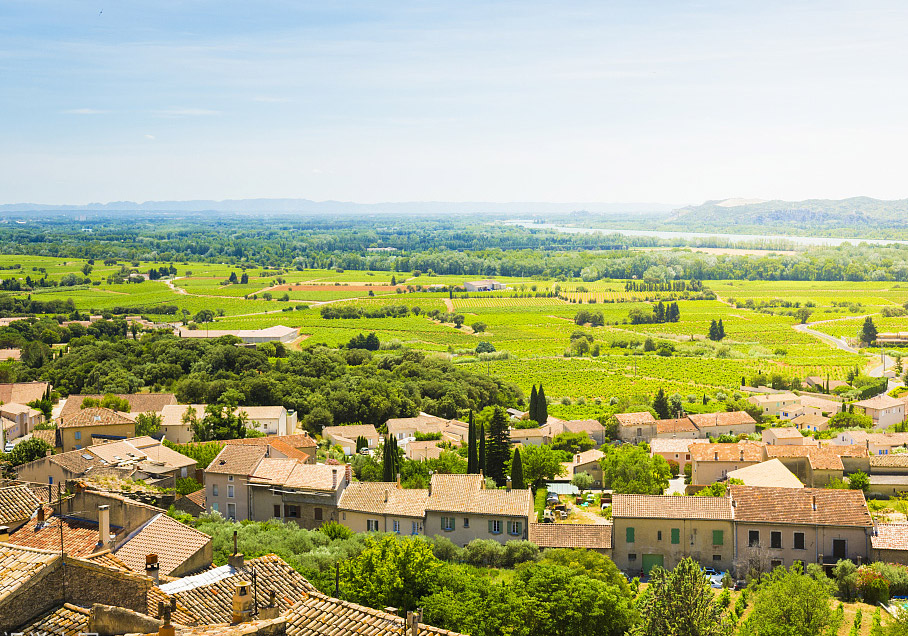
[[484, 285], [277, 333]]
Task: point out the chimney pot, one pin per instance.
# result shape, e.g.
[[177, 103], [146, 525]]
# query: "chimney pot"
[[41, 517], [334, 477], [152, 569], [242, 602], [103, 526]]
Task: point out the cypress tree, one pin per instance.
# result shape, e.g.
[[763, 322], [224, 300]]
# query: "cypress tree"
[[713, 331], [660, 404], [721, 330], [482, 449], [542, 407], [499, 446], [533, 404], [387, 456], [472, 458], [517, 471]]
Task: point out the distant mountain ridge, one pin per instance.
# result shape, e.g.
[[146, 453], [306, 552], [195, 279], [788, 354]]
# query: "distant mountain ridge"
[[820, 213]]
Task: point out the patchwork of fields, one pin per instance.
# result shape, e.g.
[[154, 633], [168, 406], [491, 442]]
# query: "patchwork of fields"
[[534, 329]]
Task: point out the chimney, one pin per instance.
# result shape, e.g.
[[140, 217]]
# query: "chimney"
[[386, 496], [235, 560], [334, 478], [398, 480], [48, 453], [4, 533], [242, 602], [715, 456], [167, 629], [152, 569], [272, 610], [348, 473], [413, 620], [814, 503], [508, 482], [103, 526], [41, 517]]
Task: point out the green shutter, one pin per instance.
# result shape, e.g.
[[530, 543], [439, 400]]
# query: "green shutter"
[[718, 537], [519, 527], [676, 536], [453, 523], [490, 527], [629, 535]]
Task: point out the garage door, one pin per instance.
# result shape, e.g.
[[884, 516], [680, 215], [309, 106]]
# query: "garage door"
[[652, 560]]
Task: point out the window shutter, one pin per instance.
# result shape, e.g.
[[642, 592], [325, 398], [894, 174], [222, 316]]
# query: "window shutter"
[[518, 527], [718, 537], [453, 522], [629, 535], [676, 535], [491, 530]]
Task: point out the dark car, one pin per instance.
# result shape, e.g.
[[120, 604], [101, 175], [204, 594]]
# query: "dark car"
[[740, 584]]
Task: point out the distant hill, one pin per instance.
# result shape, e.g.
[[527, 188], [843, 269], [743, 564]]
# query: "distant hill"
[[816, 214]]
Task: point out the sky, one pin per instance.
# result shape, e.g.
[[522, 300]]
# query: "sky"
[[641, 100]]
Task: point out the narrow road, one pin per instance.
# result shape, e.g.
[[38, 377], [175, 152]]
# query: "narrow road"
[[825, 337]]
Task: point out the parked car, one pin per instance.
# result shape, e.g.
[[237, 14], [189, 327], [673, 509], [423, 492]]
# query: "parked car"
[[710, 571], [740, 584], [552, 500], [9, 447]]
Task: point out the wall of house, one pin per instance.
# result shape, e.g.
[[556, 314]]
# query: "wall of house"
[[178, 433], [890, 556], [818, 544], [478, 528], [636, 433], [695, 541], [42, 470], [821, 478], [737, 429], [201, 559], [123, 512], [883, 418], [592, 468], [357, 521], [682, 458], [708, 472], [313, 509], [69, 434], [240, 494]]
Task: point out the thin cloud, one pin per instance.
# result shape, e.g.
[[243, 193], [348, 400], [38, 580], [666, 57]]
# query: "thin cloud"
[[186, 112], [85, 111], [152, 137], [270, 100]]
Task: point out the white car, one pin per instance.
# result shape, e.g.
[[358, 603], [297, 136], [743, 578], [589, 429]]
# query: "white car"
[[9, 447]]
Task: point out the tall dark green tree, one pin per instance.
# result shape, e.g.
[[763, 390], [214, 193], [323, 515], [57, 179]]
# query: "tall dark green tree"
[[542, 407], [533, 404], [499, 446], [390, 459], [713, 331], [868, 331], [721, 328], [660, 405], [482, 450], [472, 454], [517, 471]]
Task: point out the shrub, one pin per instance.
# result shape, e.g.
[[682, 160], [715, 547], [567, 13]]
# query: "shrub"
[[333, 530], [485, 553]]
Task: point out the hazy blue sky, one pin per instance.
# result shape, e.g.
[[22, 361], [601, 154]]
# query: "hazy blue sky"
[[640, 100]]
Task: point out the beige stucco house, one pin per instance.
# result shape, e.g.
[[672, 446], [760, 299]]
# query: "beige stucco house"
[[383, 507], [713, 462], [773, 403], [586, 462], [346, 436], [883, 409], [92, 425], [676, 450], [636, 427], [786, 436], [724, 423]]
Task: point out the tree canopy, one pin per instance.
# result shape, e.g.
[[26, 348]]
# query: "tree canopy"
[[630, 469]]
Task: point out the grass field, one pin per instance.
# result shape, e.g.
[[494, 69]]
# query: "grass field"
[[535, 331]]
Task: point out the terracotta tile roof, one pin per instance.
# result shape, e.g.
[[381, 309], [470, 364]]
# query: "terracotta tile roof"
[[792, 505], [668, 445], [252, 628], [464, 493], [890, 536], [724, 418], [679, 425], [94, 416], [897, 460], [287, 450], [198, 498], [273, 470], [65, 620], [543, 431], [80, 537], [825, 405], [315, 476], [297, 440], [19, 564], [208, 596], [741, 451], [671, 507], [384, 498], [237, 460], [773, 397], [22, 392], [181, 615], [882, 401], [17, 503], [592, 455], [880, 439], [785, 432], [350, 432], [172, 414], [772, 473], [49, 435], [635, 419], [262, 412], [823, 459], [572, 535], [138, 402], [591, 427], [107, 560], [320, 615], [173, 542]]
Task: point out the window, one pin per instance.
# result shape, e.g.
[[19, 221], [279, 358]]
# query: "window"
[[631, 557], [495, 526], [277, 510], [775, 540], [231, 511], [639, 432], [466, 522], [717, 557], [447, 524], [676, 536], [318, 514], [230, 491], [396, 526], [292, 511], [50, 479], [629, 535], [687, 457], [214, 490], [775, 563], [183, 472], [718, 537], [414, 528], [77, 435], [214, 507], [515, 528], [799, 541], [658, 535], [229, 477], [753, 538], [78, 446], [371, 525]]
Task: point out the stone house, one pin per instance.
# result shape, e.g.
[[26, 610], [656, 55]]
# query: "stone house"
[[93, 425], [383, 507], [346, 436], [883, 409], [713, 462], [636, 427]]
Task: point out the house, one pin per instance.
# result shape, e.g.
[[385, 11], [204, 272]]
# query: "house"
[[724, 423], [823, 384], [786, 436], [297, 446], [277, 333], [713, 462], [10, 354], [810, 423], [657, 530], [404, 429], [875, 443], [419, 451], [461, 508], [18, 502], [593, 428], [681, 427], [23, 392], [250, 482], [270, 420], [768, 474], [586, 462], [138, 402], [137, 458], [172, 426], [812, 465], [536, 436], [774, 403], [18, 420], [346, 436], [484, 285], [889, 543], [636, 427], [673, 450], [883, 409], [93, 425], [589, 536], [814, 405], [383, 507], [781, 526]]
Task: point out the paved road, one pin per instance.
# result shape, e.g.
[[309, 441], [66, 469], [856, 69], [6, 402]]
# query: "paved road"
[[825, 337]]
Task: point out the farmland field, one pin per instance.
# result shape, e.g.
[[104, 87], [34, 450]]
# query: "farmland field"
[[527, 321]]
